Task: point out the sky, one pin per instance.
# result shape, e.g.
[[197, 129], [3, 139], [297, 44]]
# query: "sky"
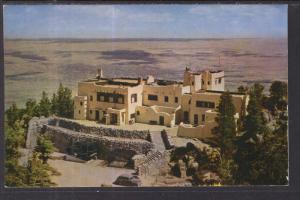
[[145, 21]]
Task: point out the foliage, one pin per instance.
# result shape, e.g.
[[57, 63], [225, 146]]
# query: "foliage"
[[242, 89], [225, 132], [14, 138], [261, 155], [12, 115], [38, 172], [44, 147], [62, 102], [278, 97], [45, 105]]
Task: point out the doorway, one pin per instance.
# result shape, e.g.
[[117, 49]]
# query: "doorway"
[[161, 120], [97, 115], [186, 117], [113, 118]]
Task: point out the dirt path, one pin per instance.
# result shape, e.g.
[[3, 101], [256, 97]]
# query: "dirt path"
[[85, 174]]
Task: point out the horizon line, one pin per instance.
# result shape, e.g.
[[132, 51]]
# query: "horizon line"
[[139, 38]]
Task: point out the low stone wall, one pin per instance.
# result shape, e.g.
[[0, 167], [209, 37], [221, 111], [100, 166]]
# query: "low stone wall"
[[166, 140], [101, 131], [115, 144], [63, 138], [34, 130]]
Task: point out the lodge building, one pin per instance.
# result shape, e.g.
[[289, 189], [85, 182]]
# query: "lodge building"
[[190, 104]]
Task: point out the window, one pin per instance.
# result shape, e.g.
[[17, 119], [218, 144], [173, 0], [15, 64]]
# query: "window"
[[132, 115], [100, 96], [220, 80], [211, 104], [106, 98], [176, 99], [166, 99], [200, 104], [189, 101], [195, 119], [138, 112], [110, 97], [91, 112], [81, 103], [120, 100], [152, 97], [203, 117], [91, 98], [205, 104], [79, 111], [202, 82], [133, 98], [208, 82]]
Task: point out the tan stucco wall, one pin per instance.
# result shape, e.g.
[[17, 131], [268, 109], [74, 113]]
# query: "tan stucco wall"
[[90, 89], [171, 91], [209, 97], [80, 111], [147, 114], [215, 85], [201, 131]]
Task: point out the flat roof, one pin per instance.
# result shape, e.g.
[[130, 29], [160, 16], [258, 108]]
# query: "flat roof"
[[211, 71], [121, 81], [217, 92]]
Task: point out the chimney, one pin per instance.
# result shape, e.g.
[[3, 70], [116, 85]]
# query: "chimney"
[[140, 80], [99, 74]]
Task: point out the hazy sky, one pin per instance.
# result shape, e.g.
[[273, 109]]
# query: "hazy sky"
[[144, 21]]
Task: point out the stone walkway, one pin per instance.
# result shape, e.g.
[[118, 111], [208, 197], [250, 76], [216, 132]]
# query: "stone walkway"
[[157, 140]]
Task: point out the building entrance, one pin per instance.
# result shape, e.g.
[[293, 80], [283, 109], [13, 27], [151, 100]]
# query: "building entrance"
[[113, 118], [97, 115], [161, 120]]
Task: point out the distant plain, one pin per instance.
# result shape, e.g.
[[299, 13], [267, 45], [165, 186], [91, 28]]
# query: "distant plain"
[[32, 66]]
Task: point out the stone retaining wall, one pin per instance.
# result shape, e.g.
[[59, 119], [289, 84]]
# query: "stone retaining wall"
[[35, 126], [119, 144], [154, 163], [101, 131], [63, 138]]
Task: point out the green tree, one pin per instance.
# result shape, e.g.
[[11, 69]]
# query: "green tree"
[[249, 145], [278, 90], [278, 95], [38, 172], [242, 89], [14, 139], [225, 132], [44, 105], [31, 110], [12, 114], [62, 102], [44, 147], [257, 90]]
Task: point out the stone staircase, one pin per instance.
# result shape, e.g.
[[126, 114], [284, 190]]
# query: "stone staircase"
[[157, 140], [152, 164]]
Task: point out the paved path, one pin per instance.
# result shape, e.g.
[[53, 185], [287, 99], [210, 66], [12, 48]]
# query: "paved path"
[[157, 140]]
